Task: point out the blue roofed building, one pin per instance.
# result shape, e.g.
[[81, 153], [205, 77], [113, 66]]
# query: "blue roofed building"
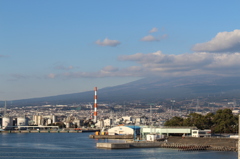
[[124, 130]]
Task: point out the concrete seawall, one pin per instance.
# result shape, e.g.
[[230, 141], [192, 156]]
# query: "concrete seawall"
[[226, 142], [113, 145], [182, 144], [128, 145]]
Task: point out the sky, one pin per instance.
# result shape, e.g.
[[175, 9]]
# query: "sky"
[[68, 46]]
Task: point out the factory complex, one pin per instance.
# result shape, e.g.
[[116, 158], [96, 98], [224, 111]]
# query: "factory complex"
[[135, 119]]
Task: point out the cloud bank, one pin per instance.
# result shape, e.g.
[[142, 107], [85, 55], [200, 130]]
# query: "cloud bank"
[[212, 61], [108, 42], [164, 65], [222, 42], [161, 64]]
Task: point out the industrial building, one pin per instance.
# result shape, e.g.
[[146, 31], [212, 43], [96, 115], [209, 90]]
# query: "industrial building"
[[124, 130], [104, 123], [44, 120], [165, 130], [201, 133], [8, 123]]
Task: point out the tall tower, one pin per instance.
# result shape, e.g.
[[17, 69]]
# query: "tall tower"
[[197, 106], [95, 105], [238, 137]]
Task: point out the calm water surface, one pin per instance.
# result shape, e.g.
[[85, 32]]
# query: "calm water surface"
[[78, 145]]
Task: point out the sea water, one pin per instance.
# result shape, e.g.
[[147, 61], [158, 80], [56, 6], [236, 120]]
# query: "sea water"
[[78, 145]]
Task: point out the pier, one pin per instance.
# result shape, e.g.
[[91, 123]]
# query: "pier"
[[128, 145], [182, 144], [180, 147], [111, 136]]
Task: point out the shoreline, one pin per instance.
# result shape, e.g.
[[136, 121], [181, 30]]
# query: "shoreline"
[[182, 144]]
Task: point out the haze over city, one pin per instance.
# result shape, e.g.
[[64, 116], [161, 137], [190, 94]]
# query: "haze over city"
[[58, 47]]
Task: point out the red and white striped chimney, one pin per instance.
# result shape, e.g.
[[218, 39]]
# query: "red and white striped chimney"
[[95, 105]]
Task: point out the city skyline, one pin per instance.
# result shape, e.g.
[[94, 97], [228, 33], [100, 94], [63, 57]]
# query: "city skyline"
[[59, 47]]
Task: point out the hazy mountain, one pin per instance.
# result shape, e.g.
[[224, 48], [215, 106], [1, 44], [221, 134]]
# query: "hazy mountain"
[[151, 89]]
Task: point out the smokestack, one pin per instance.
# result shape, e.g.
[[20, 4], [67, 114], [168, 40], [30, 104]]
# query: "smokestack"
[[95, 105]]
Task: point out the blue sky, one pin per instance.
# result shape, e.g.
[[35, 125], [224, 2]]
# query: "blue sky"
[[60, 47]]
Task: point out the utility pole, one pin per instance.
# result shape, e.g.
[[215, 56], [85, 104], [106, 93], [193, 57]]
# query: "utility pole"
[[238, 137], [150, 119]]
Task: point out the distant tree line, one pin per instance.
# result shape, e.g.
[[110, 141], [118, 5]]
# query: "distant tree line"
[[223, 121]]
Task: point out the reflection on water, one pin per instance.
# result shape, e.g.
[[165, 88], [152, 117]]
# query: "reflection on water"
[[37, 146], [78, 145]]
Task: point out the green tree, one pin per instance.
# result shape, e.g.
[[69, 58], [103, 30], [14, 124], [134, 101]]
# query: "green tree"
[[195, 119], [188, 122], [175, 121], [224, 121], [208, 120]]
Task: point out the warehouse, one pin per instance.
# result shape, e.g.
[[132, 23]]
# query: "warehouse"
[[124, 130], [165, 130]]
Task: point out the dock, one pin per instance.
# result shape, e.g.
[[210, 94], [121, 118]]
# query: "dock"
[[180, 147], [68, 130], [128, 145], [111, 136], [182, 144]]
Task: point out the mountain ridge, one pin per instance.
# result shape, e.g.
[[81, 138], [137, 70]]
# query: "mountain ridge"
[[149, 89]]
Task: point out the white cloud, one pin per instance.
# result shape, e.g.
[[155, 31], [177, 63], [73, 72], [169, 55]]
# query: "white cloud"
[[51, 75], [152, 38], [222, 42], [153, 30], [149, 38], [109, 69], [161, 64], [108, 42], [165, 65], [164, 36], [208, 62]]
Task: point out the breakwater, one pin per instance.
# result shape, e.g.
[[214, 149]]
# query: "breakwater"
[[180, 147], [213, 143], [195, 147], [182, 144]]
